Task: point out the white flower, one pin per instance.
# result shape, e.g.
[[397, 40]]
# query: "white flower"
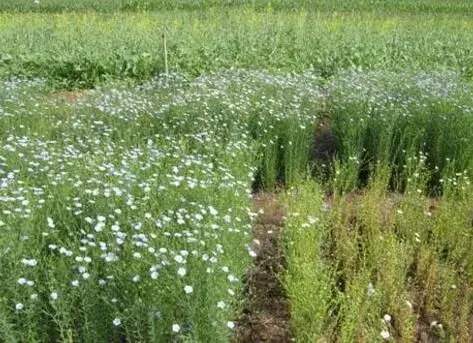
[[99, 227], [231, 325], [154, 275], [34, 296], [75, 283], [54, 295], [22, 281], [387, 318], [385, 334], [117, 322], [30, 283], [136, 278], [29, 262], [221, 304], [85, 276], [50, 223], [181, 271], [176, 328], [19, 306], [313, 220], [371, 290], [111, 257], [188, 289], [179, 259]]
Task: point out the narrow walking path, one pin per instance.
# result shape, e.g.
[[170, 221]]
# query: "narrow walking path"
[[266, 311]]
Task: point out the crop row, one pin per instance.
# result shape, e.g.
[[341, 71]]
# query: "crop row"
[[84, 50], [53, 6]]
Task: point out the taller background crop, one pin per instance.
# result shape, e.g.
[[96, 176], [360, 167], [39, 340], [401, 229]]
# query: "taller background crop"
[[85, 49], [456, 6]]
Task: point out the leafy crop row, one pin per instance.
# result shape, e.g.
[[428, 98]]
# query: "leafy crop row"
[[53, 6], [83, 50]]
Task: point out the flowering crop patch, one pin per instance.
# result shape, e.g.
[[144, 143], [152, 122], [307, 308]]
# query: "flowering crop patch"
[[125, 213], [390, 119], [386, 256]]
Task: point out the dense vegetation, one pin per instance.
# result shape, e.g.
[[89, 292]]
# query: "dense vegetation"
[[125, 192], [53, 6], [83, 50]]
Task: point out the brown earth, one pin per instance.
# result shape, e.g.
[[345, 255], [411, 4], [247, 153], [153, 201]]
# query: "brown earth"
[[266, 311], [70, 96], [324, 148]]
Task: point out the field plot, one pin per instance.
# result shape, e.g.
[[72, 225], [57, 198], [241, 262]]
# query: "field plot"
[[126, 212], [81, 50], [302, 174]]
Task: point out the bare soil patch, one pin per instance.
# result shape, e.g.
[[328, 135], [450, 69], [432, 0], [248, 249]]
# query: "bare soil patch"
[[266, 313], [324, 148], [70, 97]]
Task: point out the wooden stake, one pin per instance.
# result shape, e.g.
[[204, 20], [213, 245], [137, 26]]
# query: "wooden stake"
[[166, 68]]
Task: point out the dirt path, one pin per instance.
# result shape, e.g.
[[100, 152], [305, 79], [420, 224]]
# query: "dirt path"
[[266, 311]]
